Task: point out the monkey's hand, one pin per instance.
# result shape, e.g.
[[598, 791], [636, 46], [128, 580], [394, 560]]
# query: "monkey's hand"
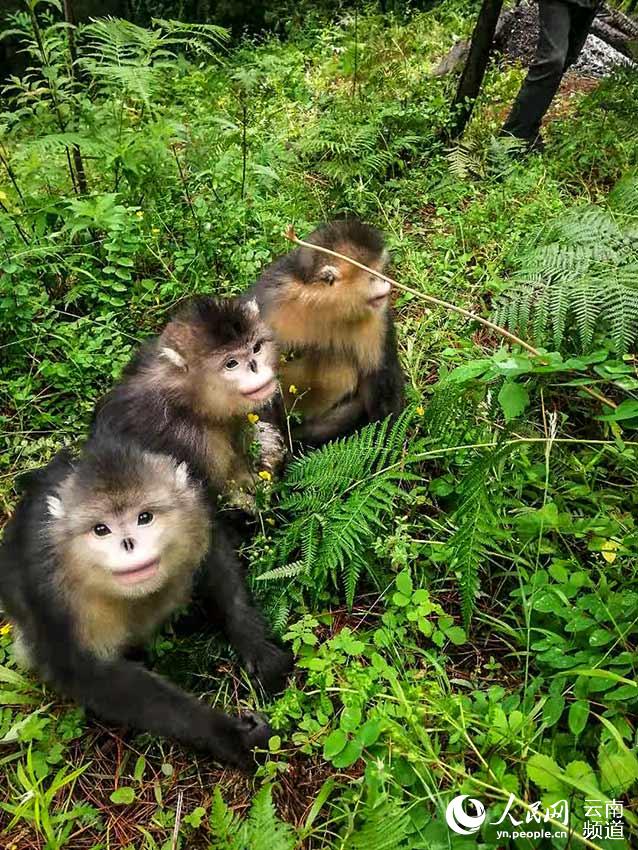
[[253, 732], [270, 665], [243, 501], [272, 445]]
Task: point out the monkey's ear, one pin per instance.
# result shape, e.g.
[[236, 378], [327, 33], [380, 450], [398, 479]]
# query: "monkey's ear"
[[328, 274], [174, 357], [251, 308], [55, 506], [181, 476]]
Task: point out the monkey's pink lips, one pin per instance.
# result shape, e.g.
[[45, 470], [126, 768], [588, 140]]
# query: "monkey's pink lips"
[[262, 392], [139, 573], [379, 300]]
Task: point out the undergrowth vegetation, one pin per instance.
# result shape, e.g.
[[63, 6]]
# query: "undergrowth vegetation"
[[460, 588]]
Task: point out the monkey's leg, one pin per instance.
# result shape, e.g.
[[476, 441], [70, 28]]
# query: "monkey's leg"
[[125, 694], [230, 603]]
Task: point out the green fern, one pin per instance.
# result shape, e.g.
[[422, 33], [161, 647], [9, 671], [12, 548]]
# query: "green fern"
[[580, 278], [260, 830], [335, 501], [476, 526], [118, 53], [384, 827]]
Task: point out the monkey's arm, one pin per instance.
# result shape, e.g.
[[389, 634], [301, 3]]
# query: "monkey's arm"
[[382, 391], [124, 693], [228, 600]]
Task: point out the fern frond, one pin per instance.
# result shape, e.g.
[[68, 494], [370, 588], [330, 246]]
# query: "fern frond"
[[476, 523], [263, 828], [385, 827], [580, 278], [223, 823], [335, 500], [287, 571], [624, 196]]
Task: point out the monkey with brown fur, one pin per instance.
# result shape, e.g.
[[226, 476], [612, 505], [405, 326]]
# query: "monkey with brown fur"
[[334, 324], [100, 552], [188, 392]]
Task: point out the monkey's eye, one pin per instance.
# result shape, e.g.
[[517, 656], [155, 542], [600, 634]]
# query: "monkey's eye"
[[231, 364], [257, 348], [145, 518], [101, 530]]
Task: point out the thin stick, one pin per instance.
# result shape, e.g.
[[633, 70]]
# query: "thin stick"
[[447, 305], [178, 820]]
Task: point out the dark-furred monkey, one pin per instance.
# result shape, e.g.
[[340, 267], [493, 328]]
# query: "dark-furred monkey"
[[191, 391], [101, 550]]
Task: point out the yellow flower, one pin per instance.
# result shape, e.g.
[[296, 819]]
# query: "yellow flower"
[[292, 389], [139, 214], [420, 410], [155, 230], [252, 418], [4, 630], [609, 550], [270, 520], [265, 475]]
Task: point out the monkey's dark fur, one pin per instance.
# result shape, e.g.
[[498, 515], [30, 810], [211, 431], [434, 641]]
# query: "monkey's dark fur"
[[48, 606], [335, 321]]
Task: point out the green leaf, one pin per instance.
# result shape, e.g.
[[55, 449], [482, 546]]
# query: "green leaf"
[[140, 766], [627, 409], [123, 796], [196, 817], [618, 769], [544, 772], [456, 634], [577, 716], [274, 744], [553, 709], [600, 637], [350, 753], [334, 744], [513, 399], [404, 583], [369, 732]]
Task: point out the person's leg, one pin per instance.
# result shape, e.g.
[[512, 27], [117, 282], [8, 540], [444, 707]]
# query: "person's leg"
[[581, 21], [545, 73]]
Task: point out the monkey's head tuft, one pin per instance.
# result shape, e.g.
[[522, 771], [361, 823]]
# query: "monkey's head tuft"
[[335, 286], [221, 356], [125, 520]]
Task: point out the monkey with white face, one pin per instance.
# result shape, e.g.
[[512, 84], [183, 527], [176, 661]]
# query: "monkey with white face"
[[188, 392], [100, 552], [334, 324]]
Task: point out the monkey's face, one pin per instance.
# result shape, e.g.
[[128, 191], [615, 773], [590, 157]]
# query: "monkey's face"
[[246, 372], [341, 289], [223, 359], [130, 542]]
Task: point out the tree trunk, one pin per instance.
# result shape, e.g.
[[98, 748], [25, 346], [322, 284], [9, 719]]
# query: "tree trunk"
[[474, 70]]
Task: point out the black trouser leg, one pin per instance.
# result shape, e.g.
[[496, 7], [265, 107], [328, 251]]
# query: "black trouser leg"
[[581, 21], [545, 73]]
